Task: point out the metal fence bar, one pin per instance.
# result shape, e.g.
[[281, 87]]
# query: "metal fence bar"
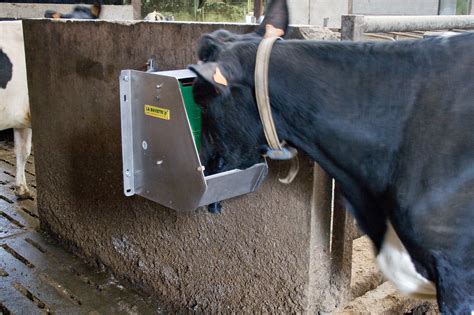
[[353, 27], [376, 24]]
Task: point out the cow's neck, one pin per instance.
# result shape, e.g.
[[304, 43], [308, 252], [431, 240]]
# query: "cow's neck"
[[339, 111]]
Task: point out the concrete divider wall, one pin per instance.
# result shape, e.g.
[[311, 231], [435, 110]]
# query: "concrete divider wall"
[[265, 252]]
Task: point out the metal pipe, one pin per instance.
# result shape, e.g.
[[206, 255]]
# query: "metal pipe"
[[377, 24], [353, 27]]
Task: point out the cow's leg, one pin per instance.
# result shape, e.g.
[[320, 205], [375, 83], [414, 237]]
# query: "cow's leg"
[[455, 285], [22, 152]]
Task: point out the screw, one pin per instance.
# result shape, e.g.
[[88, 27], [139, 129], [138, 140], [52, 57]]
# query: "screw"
[[144, 145], [159, 86], [201, 168], [159, 162], [127, 173], [125, 78]]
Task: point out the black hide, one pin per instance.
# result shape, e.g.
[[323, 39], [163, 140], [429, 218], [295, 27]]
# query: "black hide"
[[6, 70]]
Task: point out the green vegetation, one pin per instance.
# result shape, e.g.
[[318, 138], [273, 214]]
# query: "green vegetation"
[[201, 10], [463, 6]]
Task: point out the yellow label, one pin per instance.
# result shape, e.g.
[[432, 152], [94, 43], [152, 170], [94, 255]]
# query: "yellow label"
[[157, 112]]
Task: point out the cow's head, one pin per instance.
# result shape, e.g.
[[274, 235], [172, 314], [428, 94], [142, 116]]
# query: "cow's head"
[[224, 88]]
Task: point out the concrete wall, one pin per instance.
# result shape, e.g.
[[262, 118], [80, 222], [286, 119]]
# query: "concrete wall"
[[395, 7], [268, 251], [447, 7], [317, 12], [36, 10]]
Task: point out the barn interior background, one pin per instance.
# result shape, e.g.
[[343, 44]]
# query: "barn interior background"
[[312, 12], [274, 258]]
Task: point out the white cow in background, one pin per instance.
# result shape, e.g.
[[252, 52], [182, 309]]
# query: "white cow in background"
[[14, 103], [157, 16], [154, 16]]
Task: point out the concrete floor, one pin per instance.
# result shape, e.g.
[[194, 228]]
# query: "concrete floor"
[[37, 276]]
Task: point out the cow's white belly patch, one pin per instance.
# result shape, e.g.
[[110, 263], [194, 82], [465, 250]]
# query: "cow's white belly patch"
[[396, 264]]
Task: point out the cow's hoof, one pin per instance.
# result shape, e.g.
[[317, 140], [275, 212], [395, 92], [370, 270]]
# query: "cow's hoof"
[[22, 192], [214, 207]]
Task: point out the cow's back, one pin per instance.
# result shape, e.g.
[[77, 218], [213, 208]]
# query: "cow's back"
[[14, 105]]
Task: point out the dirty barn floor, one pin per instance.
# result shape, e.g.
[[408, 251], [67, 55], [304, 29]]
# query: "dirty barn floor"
[[37, 276]]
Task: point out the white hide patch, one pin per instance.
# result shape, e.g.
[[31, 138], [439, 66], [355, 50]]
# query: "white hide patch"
[[396, 264], [14, 104]]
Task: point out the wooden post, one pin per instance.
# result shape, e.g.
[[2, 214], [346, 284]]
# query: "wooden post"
[[341, 249], [350, 7], [257, 8], [320, 293], [330, 253], [137, 9]]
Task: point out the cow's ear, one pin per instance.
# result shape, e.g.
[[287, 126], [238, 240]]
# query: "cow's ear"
[[212, 82], [276, 19], [210, 72]]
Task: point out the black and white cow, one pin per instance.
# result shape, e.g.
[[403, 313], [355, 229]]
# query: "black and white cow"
[[79, 12], [14, 103], [393, 123]]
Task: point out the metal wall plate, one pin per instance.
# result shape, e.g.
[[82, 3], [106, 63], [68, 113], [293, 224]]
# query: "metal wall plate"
[[160, 159], [233, 183]]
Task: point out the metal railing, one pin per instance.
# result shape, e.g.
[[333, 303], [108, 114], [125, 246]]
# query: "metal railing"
[[355, 27]]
